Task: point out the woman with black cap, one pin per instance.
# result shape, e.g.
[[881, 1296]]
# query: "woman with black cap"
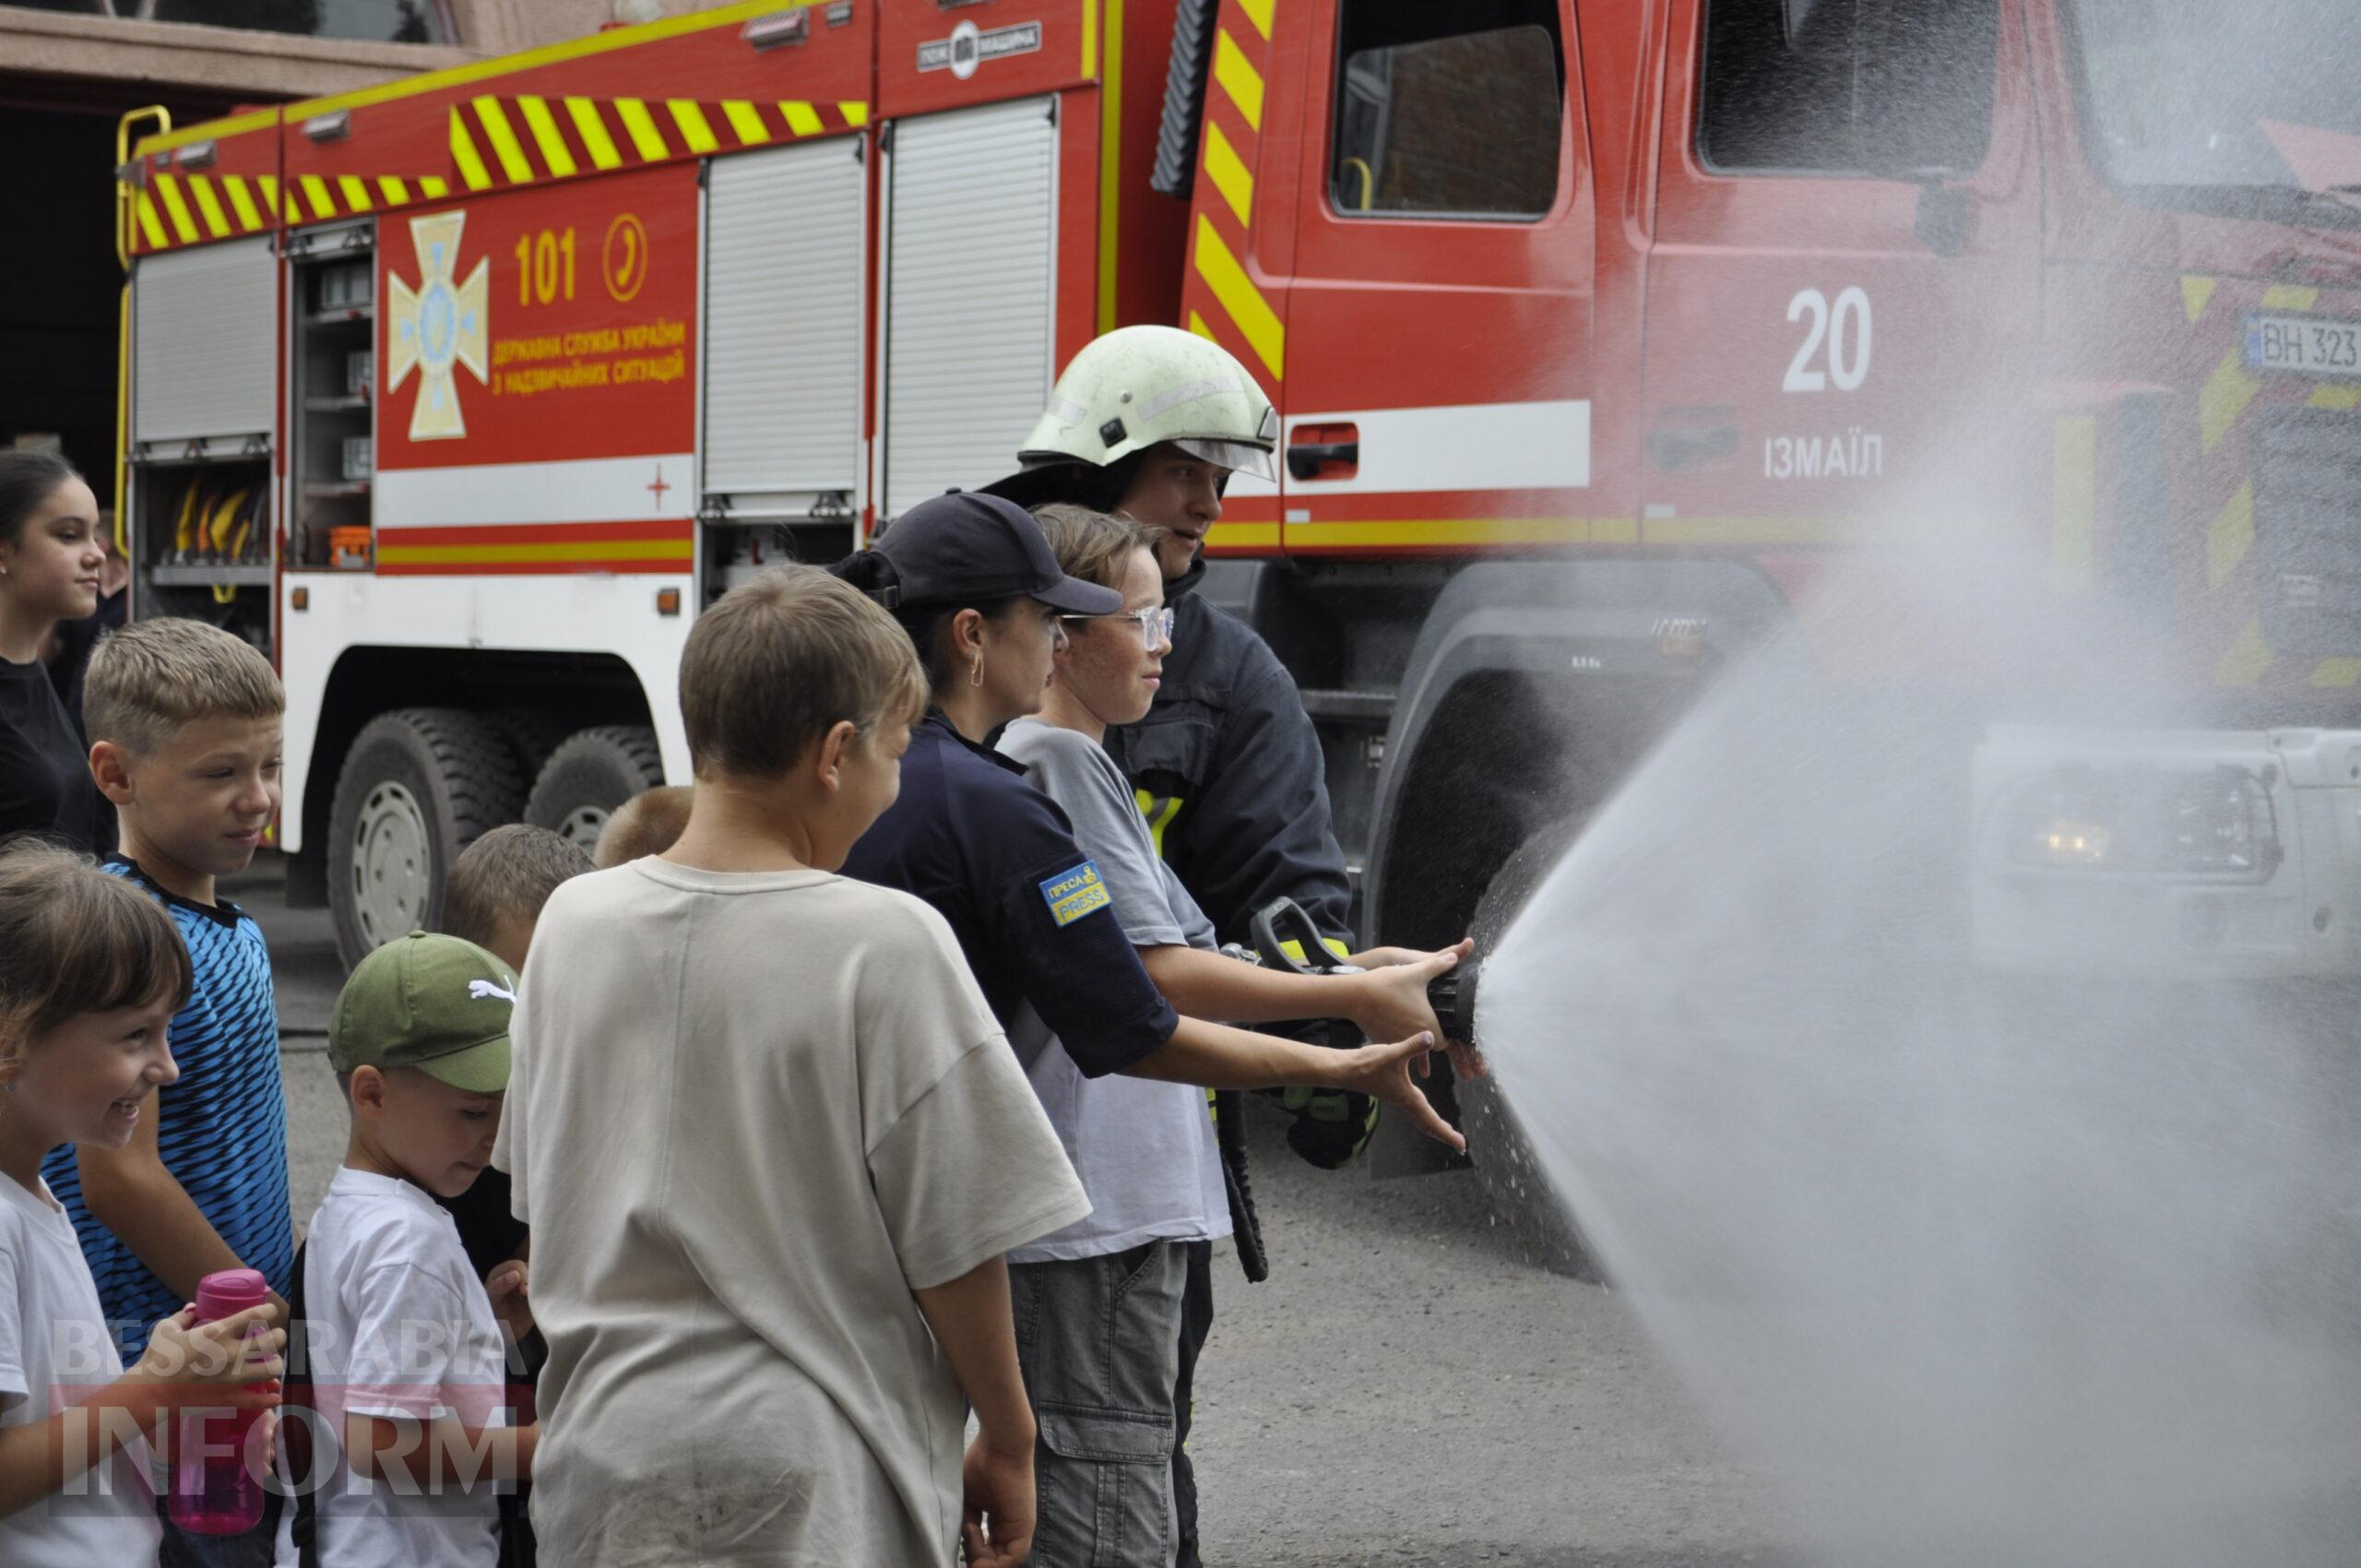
[[973, 581]]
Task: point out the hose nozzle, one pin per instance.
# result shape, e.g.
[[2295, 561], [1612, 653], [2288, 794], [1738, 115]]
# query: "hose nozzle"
[[1453, 996]]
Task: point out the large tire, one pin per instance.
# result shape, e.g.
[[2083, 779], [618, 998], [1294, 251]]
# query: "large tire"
[[589, 776], [418, 786], [532, 734], [1513, 1180]]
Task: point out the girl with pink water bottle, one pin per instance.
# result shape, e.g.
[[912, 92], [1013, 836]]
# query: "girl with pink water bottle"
[[94, 972]]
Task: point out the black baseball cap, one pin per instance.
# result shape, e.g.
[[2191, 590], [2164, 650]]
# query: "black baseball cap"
[[966, 547]]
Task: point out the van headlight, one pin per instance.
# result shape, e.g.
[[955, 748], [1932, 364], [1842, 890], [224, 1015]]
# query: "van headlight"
[[2219, 823]]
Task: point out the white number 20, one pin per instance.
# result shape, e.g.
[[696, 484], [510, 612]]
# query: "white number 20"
[[1846, 330]]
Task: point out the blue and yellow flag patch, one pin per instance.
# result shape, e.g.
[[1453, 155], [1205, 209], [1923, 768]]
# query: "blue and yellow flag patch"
[[1073, 894]]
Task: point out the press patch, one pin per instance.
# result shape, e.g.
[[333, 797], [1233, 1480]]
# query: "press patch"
[[1073, 894]]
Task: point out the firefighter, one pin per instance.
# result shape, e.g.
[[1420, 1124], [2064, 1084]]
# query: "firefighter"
[[1151, 422]]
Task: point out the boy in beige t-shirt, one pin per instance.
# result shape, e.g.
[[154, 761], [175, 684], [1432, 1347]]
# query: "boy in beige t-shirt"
[[773, 1146]]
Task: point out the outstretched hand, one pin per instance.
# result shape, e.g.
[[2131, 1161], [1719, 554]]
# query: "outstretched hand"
[[1397, 981], [1382, 1072]]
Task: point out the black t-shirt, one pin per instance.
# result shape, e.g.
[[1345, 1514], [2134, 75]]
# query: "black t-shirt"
[[45, 785], [998, 859]]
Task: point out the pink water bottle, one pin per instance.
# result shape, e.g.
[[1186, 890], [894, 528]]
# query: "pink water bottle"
[[217, 1487]]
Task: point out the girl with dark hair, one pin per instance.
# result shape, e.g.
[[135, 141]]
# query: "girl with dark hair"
[[51, 562]]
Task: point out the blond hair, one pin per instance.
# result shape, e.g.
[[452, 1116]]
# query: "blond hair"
[[649, 823], [1093, 546], [77, 941], [510, 871], [151, 679], [774, 666]]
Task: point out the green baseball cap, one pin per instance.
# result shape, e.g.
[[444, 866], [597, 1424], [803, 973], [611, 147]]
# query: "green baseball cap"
[[432, 1002]]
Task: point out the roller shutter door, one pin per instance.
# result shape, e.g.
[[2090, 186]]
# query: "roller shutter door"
[[205, 330], [783, 335], [970, 270]]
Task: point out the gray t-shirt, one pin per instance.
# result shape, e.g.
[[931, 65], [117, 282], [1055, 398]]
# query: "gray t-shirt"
[[748, 1115], [1144, 1150]]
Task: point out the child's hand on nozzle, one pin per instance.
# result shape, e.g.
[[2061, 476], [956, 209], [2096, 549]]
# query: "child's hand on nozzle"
[[1382, 1072], [239, 1353], [1397, 981], [510, 1286]]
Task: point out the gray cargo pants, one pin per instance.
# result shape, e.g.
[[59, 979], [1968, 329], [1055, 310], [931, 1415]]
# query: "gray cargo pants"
[[1099, 1342]]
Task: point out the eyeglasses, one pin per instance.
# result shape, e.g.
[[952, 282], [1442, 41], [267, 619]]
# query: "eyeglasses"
[[1155, 625]]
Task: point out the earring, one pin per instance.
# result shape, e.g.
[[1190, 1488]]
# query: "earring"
[[976, 670]]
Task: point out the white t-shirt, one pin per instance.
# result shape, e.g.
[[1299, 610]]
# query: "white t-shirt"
[[748, 1115], [1144, 1150], [398, 1327], [53, 1350]]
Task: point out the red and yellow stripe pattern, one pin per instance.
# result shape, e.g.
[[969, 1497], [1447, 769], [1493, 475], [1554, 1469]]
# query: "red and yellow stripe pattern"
[[1220, 297], [520, 549], [498, 142]]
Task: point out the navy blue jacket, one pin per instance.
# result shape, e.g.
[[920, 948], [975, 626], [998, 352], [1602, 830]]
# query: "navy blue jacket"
[[997, 859], [1237, 787]]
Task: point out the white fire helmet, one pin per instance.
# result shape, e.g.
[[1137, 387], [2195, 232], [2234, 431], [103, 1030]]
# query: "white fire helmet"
[[1138, 386]]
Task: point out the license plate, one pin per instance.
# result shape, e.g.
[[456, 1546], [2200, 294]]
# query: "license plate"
[[2303, 345]]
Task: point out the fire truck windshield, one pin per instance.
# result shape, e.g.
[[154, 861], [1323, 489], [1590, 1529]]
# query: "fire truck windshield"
[[2206, 100]]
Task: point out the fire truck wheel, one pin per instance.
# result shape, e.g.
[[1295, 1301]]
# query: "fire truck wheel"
[[1514, 1178], [593, 772], [419, 785], [532, 734]]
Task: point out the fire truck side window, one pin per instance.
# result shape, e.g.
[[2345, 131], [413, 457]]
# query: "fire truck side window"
[[1892, 87], [1448, 111]]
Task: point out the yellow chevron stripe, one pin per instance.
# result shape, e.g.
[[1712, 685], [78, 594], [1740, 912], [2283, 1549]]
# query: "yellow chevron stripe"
[[505, 145], [434, 187], [2337, 672], [464, 156], [564, 550], [2346, 398], [1239, 78], [547, 137], [745, 121], [1242, 536], [242, 201], [209, 204], [152, 228], [315, 191], [644, 137], [355, 191], [271, 197], [2290, 296], [1111, 167], [394, 191], [1240, 298], [169, 187], [593, 132], [1197, 324], [1229, 175], [2244, 664], [2223, 397], [695, 129], [1089, 41], [2074, 503], [2194, 294], [2229, 537], [1259, 12], [856, 115], [801, 118]]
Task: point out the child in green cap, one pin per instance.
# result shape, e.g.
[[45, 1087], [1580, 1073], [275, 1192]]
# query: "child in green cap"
[[407, 1349]]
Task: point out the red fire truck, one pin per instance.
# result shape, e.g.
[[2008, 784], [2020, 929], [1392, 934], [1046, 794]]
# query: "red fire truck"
[[1601, 331]]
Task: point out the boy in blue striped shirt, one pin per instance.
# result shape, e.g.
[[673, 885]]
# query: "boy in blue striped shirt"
[[184, 721]]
